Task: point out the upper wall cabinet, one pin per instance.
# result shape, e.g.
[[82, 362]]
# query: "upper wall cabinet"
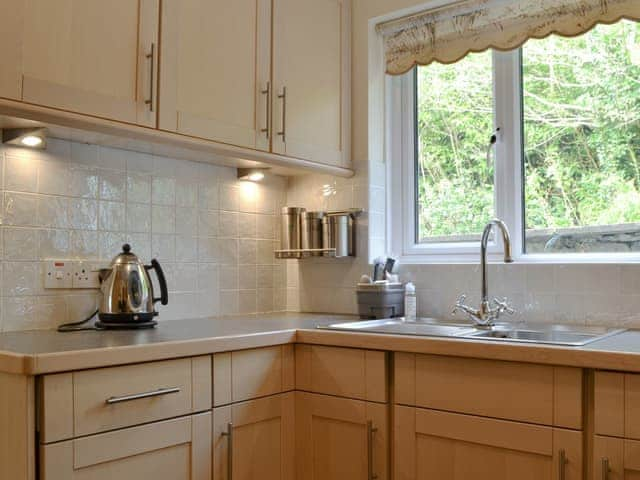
[[11, 25], [215, 65], [87, 56], [311, 65], [262, 80]]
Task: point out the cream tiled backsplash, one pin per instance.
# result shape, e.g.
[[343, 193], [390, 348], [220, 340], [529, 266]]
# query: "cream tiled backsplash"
[[598, 294], [213, 235]]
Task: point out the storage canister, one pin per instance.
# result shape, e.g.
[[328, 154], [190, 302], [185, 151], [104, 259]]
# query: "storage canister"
[[338, 234], [290, 235], [311, 230]]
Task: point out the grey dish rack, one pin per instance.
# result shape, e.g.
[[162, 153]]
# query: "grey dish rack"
[[307, 234]]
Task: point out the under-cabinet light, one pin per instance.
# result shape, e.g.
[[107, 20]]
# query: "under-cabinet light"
[[25, 137], [252, 174]]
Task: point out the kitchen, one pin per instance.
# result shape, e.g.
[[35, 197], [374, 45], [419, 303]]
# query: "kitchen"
[[182, 129]]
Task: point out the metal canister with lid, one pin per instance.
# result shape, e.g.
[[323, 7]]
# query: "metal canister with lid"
[[338, 234], [290, 238], [311, 229]]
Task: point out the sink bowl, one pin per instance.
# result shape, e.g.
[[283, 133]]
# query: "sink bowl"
[[554, 334], [424, 327], [567, 335]]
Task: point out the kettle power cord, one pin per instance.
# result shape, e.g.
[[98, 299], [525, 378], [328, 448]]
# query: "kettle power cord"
[[78, 326]]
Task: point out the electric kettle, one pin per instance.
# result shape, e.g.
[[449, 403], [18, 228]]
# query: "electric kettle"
[[127, 292]]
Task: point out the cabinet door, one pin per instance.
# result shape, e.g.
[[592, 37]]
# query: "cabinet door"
[[92, 57], [11, 22], [311, 79], [177, 449], [436, 445], [340, 439], [615, 459], [215, 66], [254, 440]]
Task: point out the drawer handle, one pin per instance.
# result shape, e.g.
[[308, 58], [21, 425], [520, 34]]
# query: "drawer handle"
[[229, 435], [371, 431], [605, 469], [138, 396], [562, 464]]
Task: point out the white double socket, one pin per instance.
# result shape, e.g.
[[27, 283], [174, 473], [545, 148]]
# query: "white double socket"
[[71, 274]]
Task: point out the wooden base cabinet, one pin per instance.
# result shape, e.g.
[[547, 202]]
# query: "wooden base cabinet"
[[340, 439], [615, 459], [254, 440], [437, 445], [178, 449]]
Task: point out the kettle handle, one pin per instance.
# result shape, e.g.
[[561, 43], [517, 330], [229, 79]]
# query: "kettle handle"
[[164, 294]]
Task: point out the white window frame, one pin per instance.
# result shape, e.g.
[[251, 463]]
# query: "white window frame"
[[508, 183]]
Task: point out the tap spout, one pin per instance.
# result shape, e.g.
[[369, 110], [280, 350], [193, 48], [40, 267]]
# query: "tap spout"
[[506, 239]]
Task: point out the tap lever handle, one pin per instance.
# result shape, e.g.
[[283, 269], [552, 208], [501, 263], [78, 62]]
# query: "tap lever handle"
[[459, 304], [503, 306]]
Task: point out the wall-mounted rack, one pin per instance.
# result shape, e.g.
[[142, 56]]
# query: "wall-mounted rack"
[[317, 234]]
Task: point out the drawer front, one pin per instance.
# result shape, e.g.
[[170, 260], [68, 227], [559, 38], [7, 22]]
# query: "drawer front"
[[344, 372], [93, 401], [247, 374], [178, 449], [524, 392], [617, 404]]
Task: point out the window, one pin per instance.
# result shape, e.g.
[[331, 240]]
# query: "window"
[[565, 171]]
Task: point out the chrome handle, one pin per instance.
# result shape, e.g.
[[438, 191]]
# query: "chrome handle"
[[562, 464], [151, 56], [267, 92], [371, 430], [139, 396], [283, 96], [605, 469], [229, 435]]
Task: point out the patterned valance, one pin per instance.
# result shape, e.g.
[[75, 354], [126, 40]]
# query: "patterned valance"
[[447, 34]]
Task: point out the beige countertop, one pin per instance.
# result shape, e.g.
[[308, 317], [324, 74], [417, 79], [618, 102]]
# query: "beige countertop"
[[38, 352]]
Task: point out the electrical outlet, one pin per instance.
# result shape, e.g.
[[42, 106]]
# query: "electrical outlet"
[[58, 274], [85, 275]]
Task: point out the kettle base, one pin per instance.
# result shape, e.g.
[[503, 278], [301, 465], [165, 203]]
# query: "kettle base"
[[125, 325]]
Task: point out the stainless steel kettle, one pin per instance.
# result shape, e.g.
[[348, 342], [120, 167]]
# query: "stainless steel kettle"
[[127, 292]]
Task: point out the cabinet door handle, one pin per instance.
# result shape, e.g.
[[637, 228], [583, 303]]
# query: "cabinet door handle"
[[283, 132], [152, 61], [229, 435], [562, 464], [267, 92], [138, 396], [371, 431], [605, 469]]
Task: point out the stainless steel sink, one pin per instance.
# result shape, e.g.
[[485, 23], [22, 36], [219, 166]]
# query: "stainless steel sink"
[[568, 335]]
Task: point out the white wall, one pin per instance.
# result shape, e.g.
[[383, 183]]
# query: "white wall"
[[213, 235], [571, 293]]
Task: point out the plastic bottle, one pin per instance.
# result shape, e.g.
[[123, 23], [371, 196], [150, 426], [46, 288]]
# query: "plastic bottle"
[[410, 307]]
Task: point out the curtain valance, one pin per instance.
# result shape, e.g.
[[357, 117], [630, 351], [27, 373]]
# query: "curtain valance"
[[447, 34]]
